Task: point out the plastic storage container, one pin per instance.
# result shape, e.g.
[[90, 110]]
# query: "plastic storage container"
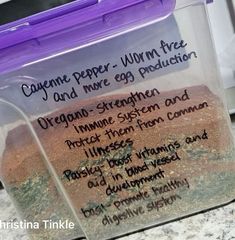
[[112, 117]]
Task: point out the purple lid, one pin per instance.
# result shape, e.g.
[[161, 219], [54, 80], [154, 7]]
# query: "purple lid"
[[15, 32], [72, 25]]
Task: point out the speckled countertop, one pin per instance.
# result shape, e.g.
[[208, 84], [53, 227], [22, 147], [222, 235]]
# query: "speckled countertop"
[[218, 224]]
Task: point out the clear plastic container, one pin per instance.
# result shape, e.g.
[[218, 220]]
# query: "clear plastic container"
[[114, 120]]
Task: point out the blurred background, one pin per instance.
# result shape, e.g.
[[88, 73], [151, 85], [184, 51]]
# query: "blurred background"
[[222, 18]]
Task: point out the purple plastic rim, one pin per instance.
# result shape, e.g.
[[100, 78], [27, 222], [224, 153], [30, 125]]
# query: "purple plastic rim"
[[33, 38], [40, 36], [64, 17], [23, 29]]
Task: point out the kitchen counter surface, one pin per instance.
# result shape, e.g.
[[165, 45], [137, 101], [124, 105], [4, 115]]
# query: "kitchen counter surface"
[[218, 224]]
